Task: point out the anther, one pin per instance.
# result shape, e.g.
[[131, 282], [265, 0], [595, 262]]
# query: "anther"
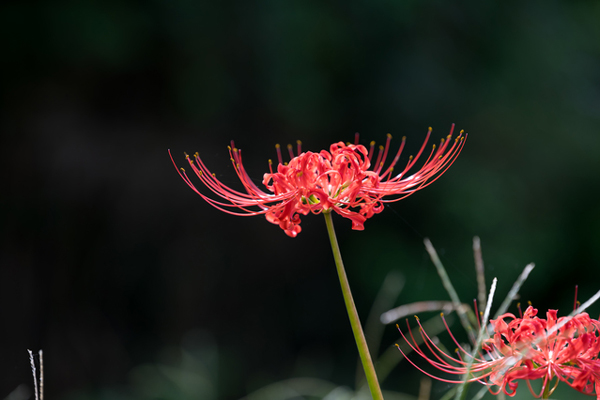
[[186, 155], [229, 147], [213, 174], [235, 150], [389, 135], [182, 169], [397, 345], [270, 161], [462, 131], [417, 318], [372, 143], [196, 154]]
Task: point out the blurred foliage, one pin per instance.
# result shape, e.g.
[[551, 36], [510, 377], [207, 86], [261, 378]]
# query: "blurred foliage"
[[107, 258]]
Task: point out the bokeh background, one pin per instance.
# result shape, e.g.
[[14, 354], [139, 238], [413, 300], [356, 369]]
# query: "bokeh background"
[[137, 289]]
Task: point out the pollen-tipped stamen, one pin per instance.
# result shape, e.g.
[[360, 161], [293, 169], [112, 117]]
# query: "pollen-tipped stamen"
[[395, 160], [380, 163], [371, 150]]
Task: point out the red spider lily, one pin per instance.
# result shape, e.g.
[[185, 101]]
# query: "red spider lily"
[[526, 348], [344, 179]]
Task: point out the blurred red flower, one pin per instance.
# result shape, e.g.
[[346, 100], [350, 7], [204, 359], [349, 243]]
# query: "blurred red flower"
[[526, 348]]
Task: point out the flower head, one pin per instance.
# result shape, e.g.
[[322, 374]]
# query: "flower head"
[[347, 179], [565, 349]]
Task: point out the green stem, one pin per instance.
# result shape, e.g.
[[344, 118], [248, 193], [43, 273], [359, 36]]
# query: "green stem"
[[547, 388], [359, 336], [546, 394]]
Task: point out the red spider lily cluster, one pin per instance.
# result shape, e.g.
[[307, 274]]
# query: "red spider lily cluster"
[[346, 179], [561, 349]]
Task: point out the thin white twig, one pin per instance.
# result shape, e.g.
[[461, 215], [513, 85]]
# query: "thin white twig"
[[585, 305], [415, 308], [488, 307], [41, 355], [33, 370], [480, 336]]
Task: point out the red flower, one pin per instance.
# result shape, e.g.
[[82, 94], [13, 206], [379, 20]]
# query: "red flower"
[[527, 348], [344, 179]]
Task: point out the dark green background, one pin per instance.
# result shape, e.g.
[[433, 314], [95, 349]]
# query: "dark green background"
[[112, 265]]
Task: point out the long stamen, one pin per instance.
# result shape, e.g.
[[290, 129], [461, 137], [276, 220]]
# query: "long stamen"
[[379, 155], [278, 149], [415, 158], [385, 152], [371, 150], [456, 341], [395, 160], [477, 313]]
